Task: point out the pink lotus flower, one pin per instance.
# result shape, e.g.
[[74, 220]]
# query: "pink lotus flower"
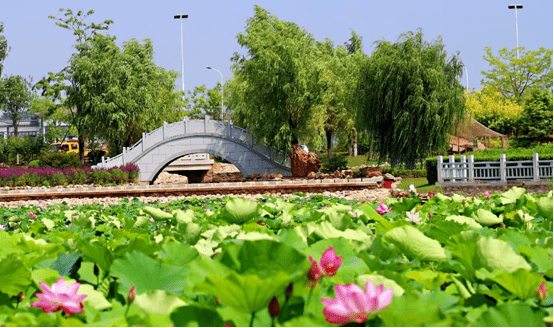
[[2, 227], [353, 214], [60, 296], [431, 195], [382, 209], [487, 195], [352, 304], [32, 215], [152, 220], [541, 292], [330, 263]]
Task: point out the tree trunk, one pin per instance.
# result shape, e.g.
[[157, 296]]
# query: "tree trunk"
[[354, 143], [15, 128], [329, 134], [81, 150]]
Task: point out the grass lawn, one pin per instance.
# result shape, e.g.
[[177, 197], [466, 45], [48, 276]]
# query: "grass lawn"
[[420, 184]]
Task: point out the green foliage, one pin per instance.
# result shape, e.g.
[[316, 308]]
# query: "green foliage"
[[336, 162], [4, 49], [513, 77], [536, 119], [59, 160], [63, 86], [27, 147], [15, 98], [275, 84], [409, 97]]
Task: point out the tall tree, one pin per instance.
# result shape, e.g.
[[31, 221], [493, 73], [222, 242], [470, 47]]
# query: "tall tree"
[[512, 76], [340, 72], [277, 80], [409, 97], [4, 49], [536, 119], [15, 98], [62, 86], [122, 92]]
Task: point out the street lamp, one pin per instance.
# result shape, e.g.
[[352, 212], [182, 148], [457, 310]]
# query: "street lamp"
[[221, 75], [516, 7], [180, 17]]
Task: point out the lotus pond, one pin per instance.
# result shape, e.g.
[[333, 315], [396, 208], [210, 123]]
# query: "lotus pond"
[[304, 261]]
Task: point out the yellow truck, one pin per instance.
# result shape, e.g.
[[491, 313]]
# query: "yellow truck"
[[72, 146]]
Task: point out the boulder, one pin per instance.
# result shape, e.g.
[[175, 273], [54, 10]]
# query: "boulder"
[[302, 163], [254, 176], [312, 175], [369, 172], [336, 174]]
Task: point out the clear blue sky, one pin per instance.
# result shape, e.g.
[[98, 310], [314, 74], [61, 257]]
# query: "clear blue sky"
[[38, 46]]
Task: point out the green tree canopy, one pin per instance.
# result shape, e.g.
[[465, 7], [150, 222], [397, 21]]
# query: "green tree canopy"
[[62, 86], [122, 92], [276, 81], [409, 97], [15, 98], [536, 119], [4, 49], [512, 76]]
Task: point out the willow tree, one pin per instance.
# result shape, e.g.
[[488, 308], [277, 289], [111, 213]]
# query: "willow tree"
[[277, 81], [409, 97]]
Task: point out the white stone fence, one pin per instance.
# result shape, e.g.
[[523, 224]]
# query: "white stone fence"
[[470, 171]]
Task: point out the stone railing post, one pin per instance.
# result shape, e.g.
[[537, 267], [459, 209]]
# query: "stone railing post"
[[503, 167], [103, 161], [124, 155], [206, 120], [142, 142], [185, 121], [440, 176], [451, 160], [463, 171], [251, 141], [470, 169], [536, 175], [163, 130]]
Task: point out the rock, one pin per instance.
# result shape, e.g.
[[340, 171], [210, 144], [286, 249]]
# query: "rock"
[[369, 172], [254, 176], [302, 163], [312, 175], [388, 177], [169, 178], [273, 176], [347, 173], [337, 174]]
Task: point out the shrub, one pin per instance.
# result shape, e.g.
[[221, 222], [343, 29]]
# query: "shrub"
[[35, 163], [80, 177], [336, 162], [59, 160], [118, 176], [58, 179], [405, 173], [95, 156], [32, 179]]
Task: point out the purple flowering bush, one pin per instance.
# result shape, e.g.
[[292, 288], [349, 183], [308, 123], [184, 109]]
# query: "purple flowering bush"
[[37, 176]]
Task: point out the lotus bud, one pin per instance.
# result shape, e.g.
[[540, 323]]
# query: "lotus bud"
[[541, 292], [132, 294], [20, 297], [274, 309], [288, 291], [314, 274]]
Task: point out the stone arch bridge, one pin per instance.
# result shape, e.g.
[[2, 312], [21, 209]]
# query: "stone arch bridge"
[[162, 146]]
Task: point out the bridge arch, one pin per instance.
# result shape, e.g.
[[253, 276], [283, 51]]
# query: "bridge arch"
[[162, 146]]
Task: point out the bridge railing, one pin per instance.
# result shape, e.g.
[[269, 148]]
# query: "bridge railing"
[[193, 127]]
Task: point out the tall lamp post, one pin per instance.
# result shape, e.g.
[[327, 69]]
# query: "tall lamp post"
[[516, 7], [180, 17], [221, 75]]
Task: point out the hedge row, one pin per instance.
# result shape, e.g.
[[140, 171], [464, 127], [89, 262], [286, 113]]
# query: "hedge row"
[[491, 155], [49, 177]]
